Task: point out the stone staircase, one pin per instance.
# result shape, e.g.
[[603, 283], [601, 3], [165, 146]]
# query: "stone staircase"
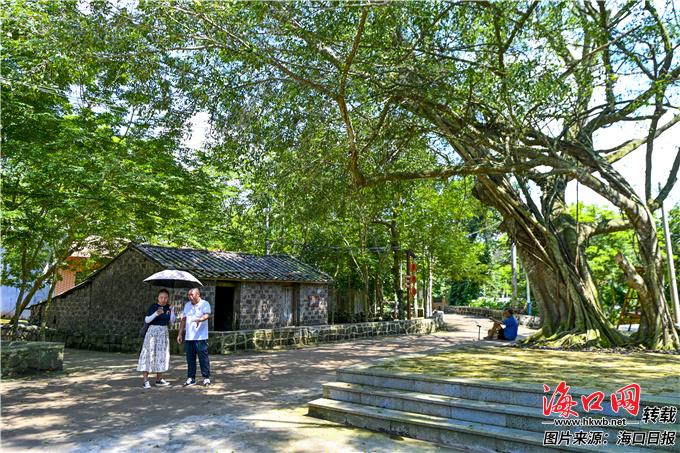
[[463, 413]]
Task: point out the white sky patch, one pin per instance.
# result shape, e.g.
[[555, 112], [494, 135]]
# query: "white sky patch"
[[200, 126], [632, 167]]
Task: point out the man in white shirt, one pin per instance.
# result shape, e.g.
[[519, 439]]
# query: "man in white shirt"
[[194, 320]]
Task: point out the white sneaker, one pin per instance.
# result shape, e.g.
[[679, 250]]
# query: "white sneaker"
[[162, 383], [147, 385], [189, 382], [206, 382]]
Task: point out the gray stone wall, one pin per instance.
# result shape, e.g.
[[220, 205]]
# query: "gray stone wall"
[[295, 337], [255, 339], [261, 305], [113, 302], [25, 332], [270, 305], [119, 298], [313, 305], [70, 311], [35, 314]]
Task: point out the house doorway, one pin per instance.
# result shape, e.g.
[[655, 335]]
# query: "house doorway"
[[290, 315], [224, 309]]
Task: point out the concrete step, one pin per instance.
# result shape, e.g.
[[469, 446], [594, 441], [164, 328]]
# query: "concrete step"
[[473, 436], [465, 410], [507, 393]]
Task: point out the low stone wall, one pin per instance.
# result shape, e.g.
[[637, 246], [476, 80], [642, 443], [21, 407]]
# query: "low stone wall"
[[293, 337], [27, 332], [475, 311], [530, 321], [77, 340], [242, 340], [27, 357]]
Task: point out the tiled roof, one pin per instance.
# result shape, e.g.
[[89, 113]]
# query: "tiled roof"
[[233, 265]]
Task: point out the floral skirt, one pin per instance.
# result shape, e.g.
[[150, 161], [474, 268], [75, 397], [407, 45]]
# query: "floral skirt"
[[155, 355]]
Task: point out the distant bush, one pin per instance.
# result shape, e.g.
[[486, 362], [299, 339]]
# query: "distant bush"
[[489, 302], [501, 303], [343, 317], [463, 290]]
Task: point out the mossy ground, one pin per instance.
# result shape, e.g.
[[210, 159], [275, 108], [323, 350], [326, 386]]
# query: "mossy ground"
[[657, 374]]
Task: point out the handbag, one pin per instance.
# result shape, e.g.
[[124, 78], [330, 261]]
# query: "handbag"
[[142, 331]]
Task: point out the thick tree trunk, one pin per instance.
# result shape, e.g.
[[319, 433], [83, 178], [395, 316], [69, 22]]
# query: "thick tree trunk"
[[396, 269], [46, 308], [572, 315], [428, 300], [378, 287], [555, 262], [15, 324], [567, 295], [22, 303], [657, 329]]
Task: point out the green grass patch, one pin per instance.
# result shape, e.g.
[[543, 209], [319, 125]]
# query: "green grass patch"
[[8, 320], [656, 373]]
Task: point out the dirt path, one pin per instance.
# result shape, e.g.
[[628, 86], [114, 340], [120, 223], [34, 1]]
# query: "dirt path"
[[256, 403]]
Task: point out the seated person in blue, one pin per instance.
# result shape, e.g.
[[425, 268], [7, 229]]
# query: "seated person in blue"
[[505, 329]]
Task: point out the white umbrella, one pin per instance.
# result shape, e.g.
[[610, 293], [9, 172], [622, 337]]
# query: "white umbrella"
[[173, 278]]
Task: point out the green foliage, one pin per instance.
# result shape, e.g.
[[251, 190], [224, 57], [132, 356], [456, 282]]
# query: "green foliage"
[[462, 292], [601, 251], [329, 123], [78, 169], [490, 302]]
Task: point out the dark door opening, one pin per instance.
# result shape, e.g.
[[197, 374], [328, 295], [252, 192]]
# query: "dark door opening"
[[296, 305], [224, 308]]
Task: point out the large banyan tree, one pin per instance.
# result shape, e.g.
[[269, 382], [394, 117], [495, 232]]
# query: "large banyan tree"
[[517, 94]]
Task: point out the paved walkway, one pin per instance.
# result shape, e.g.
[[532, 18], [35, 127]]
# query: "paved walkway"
[[257, 402]]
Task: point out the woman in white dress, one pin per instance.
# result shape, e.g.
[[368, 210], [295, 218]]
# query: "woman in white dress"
[[155, 355]]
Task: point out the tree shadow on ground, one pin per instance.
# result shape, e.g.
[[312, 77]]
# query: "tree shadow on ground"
[[100, 394]]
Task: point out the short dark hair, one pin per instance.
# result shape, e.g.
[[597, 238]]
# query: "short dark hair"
[[164, 291], [509, 310]]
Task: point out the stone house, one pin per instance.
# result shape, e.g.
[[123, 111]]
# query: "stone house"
[[245, 291]]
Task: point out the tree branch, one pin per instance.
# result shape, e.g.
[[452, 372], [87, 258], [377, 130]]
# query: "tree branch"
[[619, 152], [530, 201], [353, 52], [609, 226], [670, 182], [651, 134], [464, 169], [378, 127], [519, 25], [664, 36], [606, 60], [604, 119], [635, 59], [265, 52], [308, 37], [354, 168], [574, 64], [632, 277]]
